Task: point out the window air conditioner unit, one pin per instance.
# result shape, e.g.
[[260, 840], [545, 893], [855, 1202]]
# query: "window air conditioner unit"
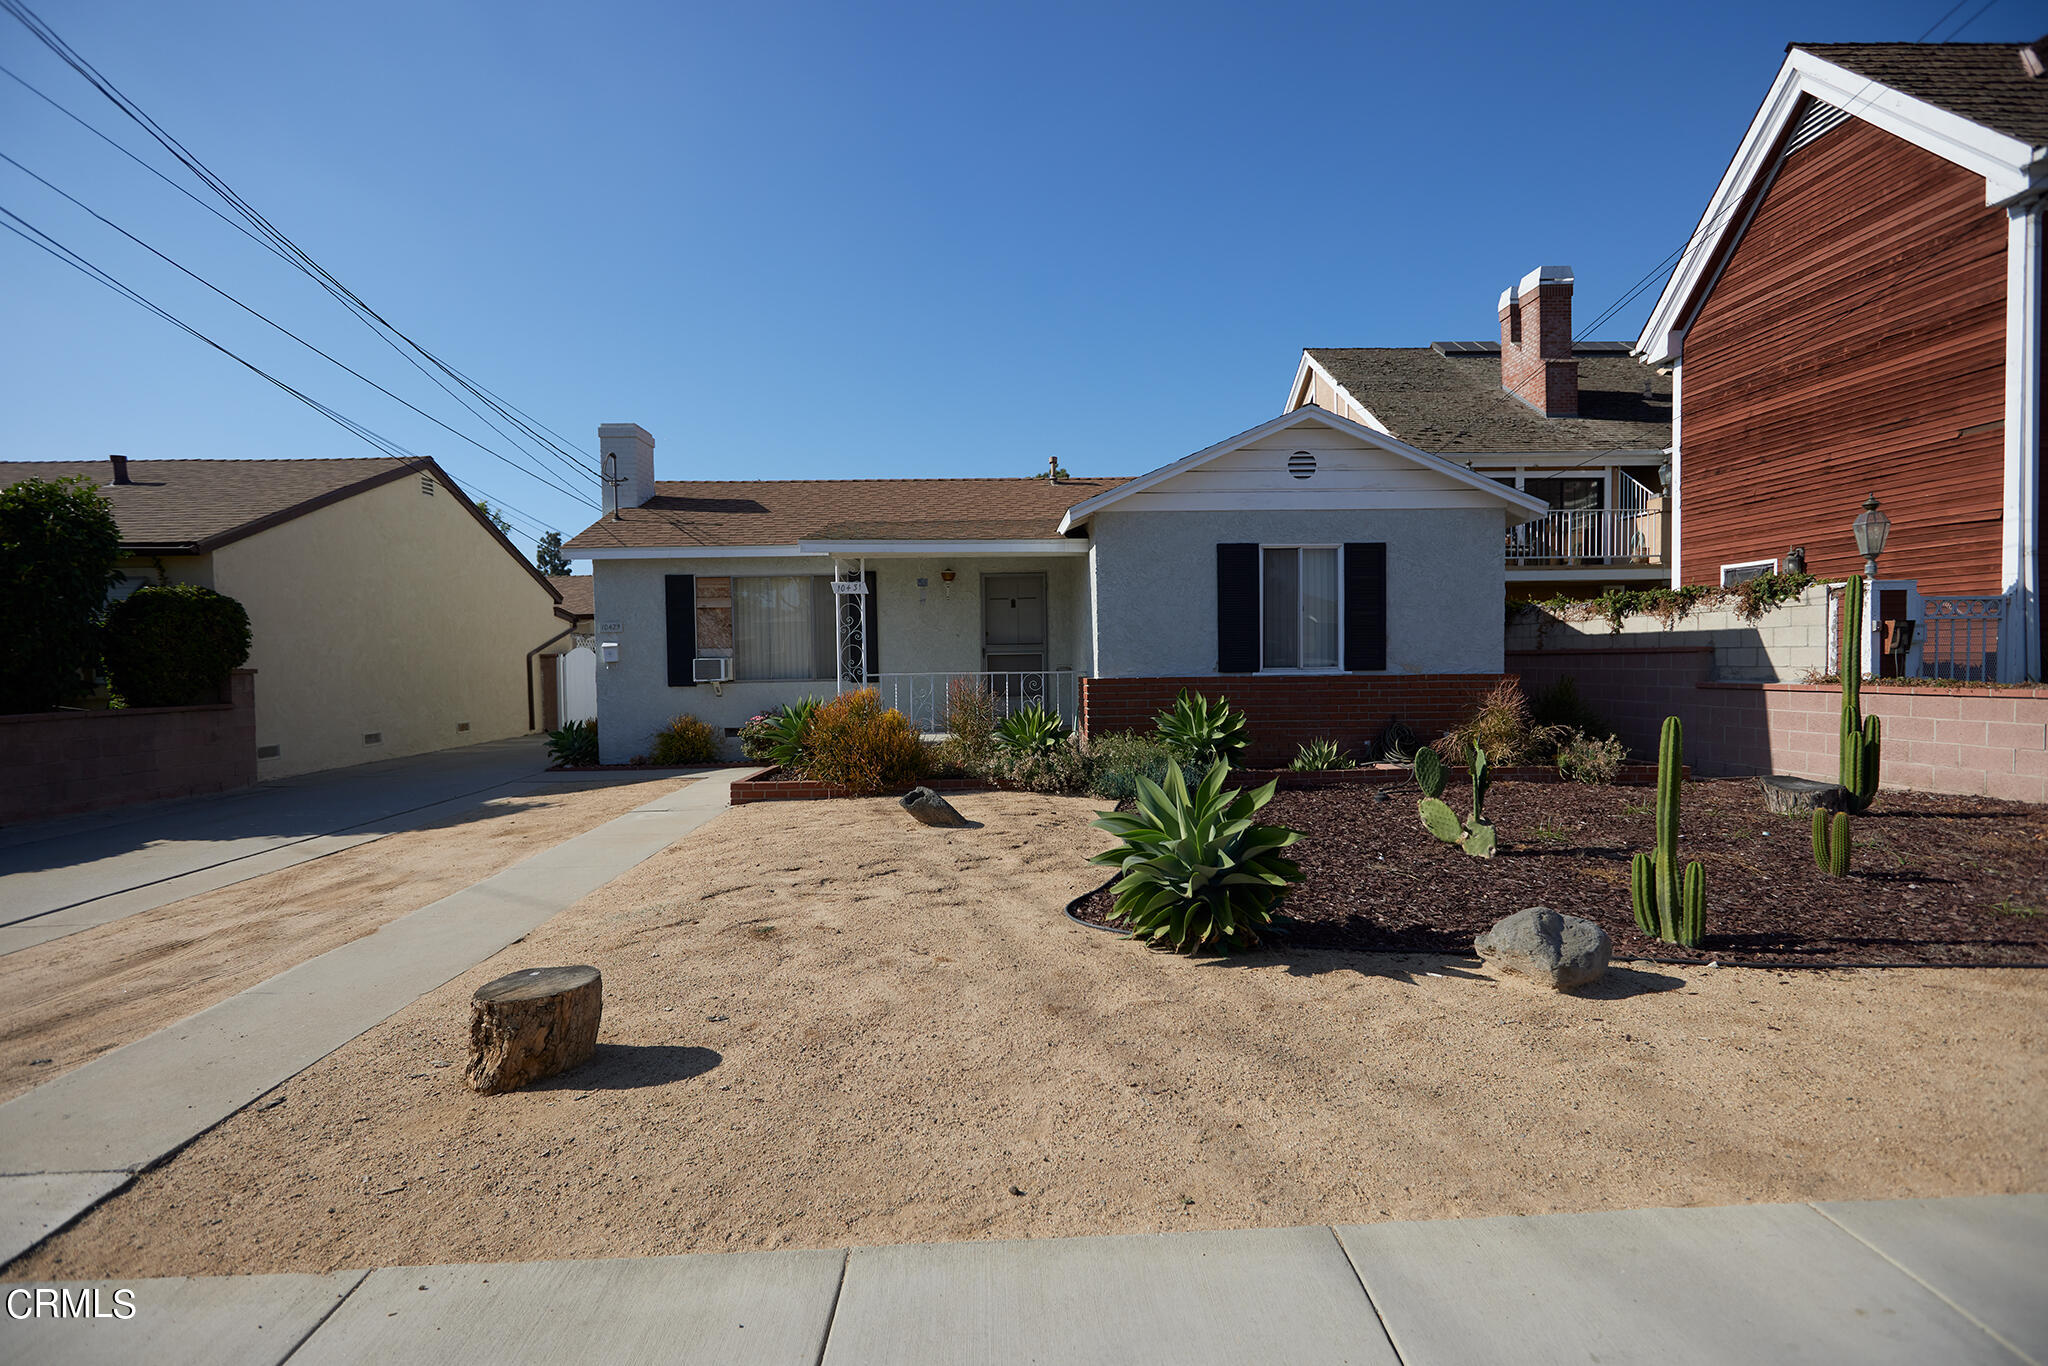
[[710, 670]]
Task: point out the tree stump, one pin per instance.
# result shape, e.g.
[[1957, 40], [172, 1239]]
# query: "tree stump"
[[1794, 796], [532, 1024]]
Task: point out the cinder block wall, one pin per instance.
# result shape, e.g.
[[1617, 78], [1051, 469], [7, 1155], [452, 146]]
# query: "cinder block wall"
[[61, 763], [1782, 646]]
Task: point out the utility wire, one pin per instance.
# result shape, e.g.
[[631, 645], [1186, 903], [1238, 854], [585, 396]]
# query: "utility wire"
[[541, 475], [36, 237], [291, 251]]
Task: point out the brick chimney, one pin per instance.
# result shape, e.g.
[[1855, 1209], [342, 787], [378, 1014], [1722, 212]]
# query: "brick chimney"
[[625, 454], [1536, 364]]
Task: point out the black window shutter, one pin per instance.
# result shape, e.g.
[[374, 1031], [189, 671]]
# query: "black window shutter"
[[1365, 606], [682, 628], [872, 633], [1237, 607]]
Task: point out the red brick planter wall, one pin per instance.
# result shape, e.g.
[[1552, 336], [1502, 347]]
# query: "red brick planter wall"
[[60, 763], [773, 787], [1285, 712]]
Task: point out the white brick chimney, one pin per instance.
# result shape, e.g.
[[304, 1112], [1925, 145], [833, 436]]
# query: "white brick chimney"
[[626, 460]]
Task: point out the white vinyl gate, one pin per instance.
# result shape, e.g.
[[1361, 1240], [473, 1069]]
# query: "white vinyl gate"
[[576, 690]]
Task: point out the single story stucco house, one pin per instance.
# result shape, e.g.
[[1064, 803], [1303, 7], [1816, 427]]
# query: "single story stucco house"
[[1325, 576]]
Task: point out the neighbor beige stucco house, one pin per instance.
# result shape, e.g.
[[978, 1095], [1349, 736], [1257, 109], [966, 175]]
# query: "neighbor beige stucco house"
[[388, 616]]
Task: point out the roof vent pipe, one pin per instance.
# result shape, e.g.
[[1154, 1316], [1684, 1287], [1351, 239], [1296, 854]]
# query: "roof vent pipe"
[[120, 464]]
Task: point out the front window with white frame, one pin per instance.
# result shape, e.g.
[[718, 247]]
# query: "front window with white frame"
[[1299, 607], [1732, 574]]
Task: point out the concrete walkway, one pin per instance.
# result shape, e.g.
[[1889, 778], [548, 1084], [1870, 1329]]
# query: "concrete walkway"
[[1956, 1281], [70, 1142], [62, 876]]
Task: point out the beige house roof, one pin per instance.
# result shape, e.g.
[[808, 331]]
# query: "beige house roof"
[[579, 595], [192, 507], [782, 512]]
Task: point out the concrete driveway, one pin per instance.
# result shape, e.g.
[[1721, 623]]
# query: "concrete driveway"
[[59, 877]]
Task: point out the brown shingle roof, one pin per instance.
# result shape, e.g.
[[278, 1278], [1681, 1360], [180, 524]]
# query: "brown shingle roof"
[[1454, 404], [1982, 82], [785, 511], [579, 597], [195, 505]]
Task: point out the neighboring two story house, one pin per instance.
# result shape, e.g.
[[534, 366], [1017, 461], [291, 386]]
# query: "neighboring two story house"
[[1860, 312], [1582, 426]]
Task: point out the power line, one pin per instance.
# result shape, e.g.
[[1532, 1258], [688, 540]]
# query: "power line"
[[541, 475], [36, 237], [284, 245]]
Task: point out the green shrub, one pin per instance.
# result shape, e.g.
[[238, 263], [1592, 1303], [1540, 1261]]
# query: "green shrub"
[[1062, 768], [574, 745], [58, 547], [1196, 872], [1560, 705], [1031, 729], [1320, 755], [172, 645], [682, 742], [1200, 732], [1117, 760], [790, 743], [858, 743], [1589, 759], [757, 736]]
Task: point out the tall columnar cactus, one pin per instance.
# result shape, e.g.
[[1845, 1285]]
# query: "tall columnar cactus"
[[1671, 906], [1861, 736], [1831, 842]]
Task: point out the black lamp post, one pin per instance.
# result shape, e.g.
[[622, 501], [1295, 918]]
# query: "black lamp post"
[[1872, 527]]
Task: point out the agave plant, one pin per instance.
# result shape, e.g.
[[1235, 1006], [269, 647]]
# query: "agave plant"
[[1197, 871], [1201, 732], [1031, 729], [1320, 755], [790, 742], [575, 744]]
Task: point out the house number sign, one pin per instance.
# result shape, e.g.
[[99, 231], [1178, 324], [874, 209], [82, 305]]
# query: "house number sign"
[[856, 587]]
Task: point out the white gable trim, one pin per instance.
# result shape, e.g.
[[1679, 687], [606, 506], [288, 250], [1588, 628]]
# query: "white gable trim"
[[2006, 163], [1509, 500], [1310, 366]]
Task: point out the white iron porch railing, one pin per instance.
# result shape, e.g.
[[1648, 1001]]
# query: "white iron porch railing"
[[1599, 535], [926, 700], [1959, 637]]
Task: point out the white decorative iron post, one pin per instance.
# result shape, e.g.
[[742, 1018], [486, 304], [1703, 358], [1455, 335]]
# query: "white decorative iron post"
[[849, 609]]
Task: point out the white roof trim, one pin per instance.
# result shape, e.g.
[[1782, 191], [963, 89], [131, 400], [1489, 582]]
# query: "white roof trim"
[[2006, 163], [1053, 545], [1310, 363], [683, 552], [1507, 497]]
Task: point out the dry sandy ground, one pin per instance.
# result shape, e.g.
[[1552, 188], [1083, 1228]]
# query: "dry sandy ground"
[[826, 1026], [65, 1002]]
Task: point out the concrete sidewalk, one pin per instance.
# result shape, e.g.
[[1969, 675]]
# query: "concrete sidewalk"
[[59, 877], [69, 1143], [1906, 1281]]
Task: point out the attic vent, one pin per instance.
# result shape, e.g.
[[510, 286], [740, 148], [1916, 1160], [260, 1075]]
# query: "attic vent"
[[427, 485], [1818, 118], [1301, 464], [373, 737], [269, 751]]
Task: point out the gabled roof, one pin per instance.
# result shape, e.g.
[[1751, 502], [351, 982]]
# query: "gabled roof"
[[578, 591], [1451, 401], [194, 507], [785, 513], [1511, 500], [1945, 98]]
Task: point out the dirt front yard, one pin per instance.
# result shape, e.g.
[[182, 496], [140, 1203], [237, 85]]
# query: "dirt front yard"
[[69, 1000], [825, 1025]]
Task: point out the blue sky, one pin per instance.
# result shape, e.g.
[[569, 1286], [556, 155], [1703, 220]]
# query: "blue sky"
[[834, 241]]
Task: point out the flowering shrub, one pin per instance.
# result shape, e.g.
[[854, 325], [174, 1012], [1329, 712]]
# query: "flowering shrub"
[[757, 737], [858, 743]]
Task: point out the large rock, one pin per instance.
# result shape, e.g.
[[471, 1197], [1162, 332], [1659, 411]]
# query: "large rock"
[[1563, 950], [1794, 796], [929, 807], [532, 1024]]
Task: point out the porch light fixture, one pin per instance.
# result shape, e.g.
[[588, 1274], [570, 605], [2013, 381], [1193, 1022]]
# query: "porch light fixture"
[[1872, 527]]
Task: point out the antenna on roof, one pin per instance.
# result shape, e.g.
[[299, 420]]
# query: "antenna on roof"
[[611, 480]]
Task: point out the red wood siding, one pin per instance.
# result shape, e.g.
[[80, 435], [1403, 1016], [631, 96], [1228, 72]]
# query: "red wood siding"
[[1852, 344]]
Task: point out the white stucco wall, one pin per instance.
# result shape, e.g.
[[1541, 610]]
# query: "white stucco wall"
[[927, 631], [1154, 581]]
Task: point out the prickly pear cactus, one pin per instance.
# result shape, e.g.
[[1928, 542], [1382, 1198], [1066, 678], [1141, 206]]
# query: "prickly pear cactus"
[[1429, 773], [1440, 820]]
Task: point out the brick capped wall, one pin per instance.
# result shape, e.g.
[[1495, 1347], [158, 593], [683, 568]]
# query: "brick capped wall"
[[1990, 742], [1284, 712], [60, 763]]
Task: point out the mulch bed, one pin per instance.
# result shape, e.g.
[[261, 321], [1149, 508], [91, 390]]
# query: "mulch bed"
[[1935, 879]]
